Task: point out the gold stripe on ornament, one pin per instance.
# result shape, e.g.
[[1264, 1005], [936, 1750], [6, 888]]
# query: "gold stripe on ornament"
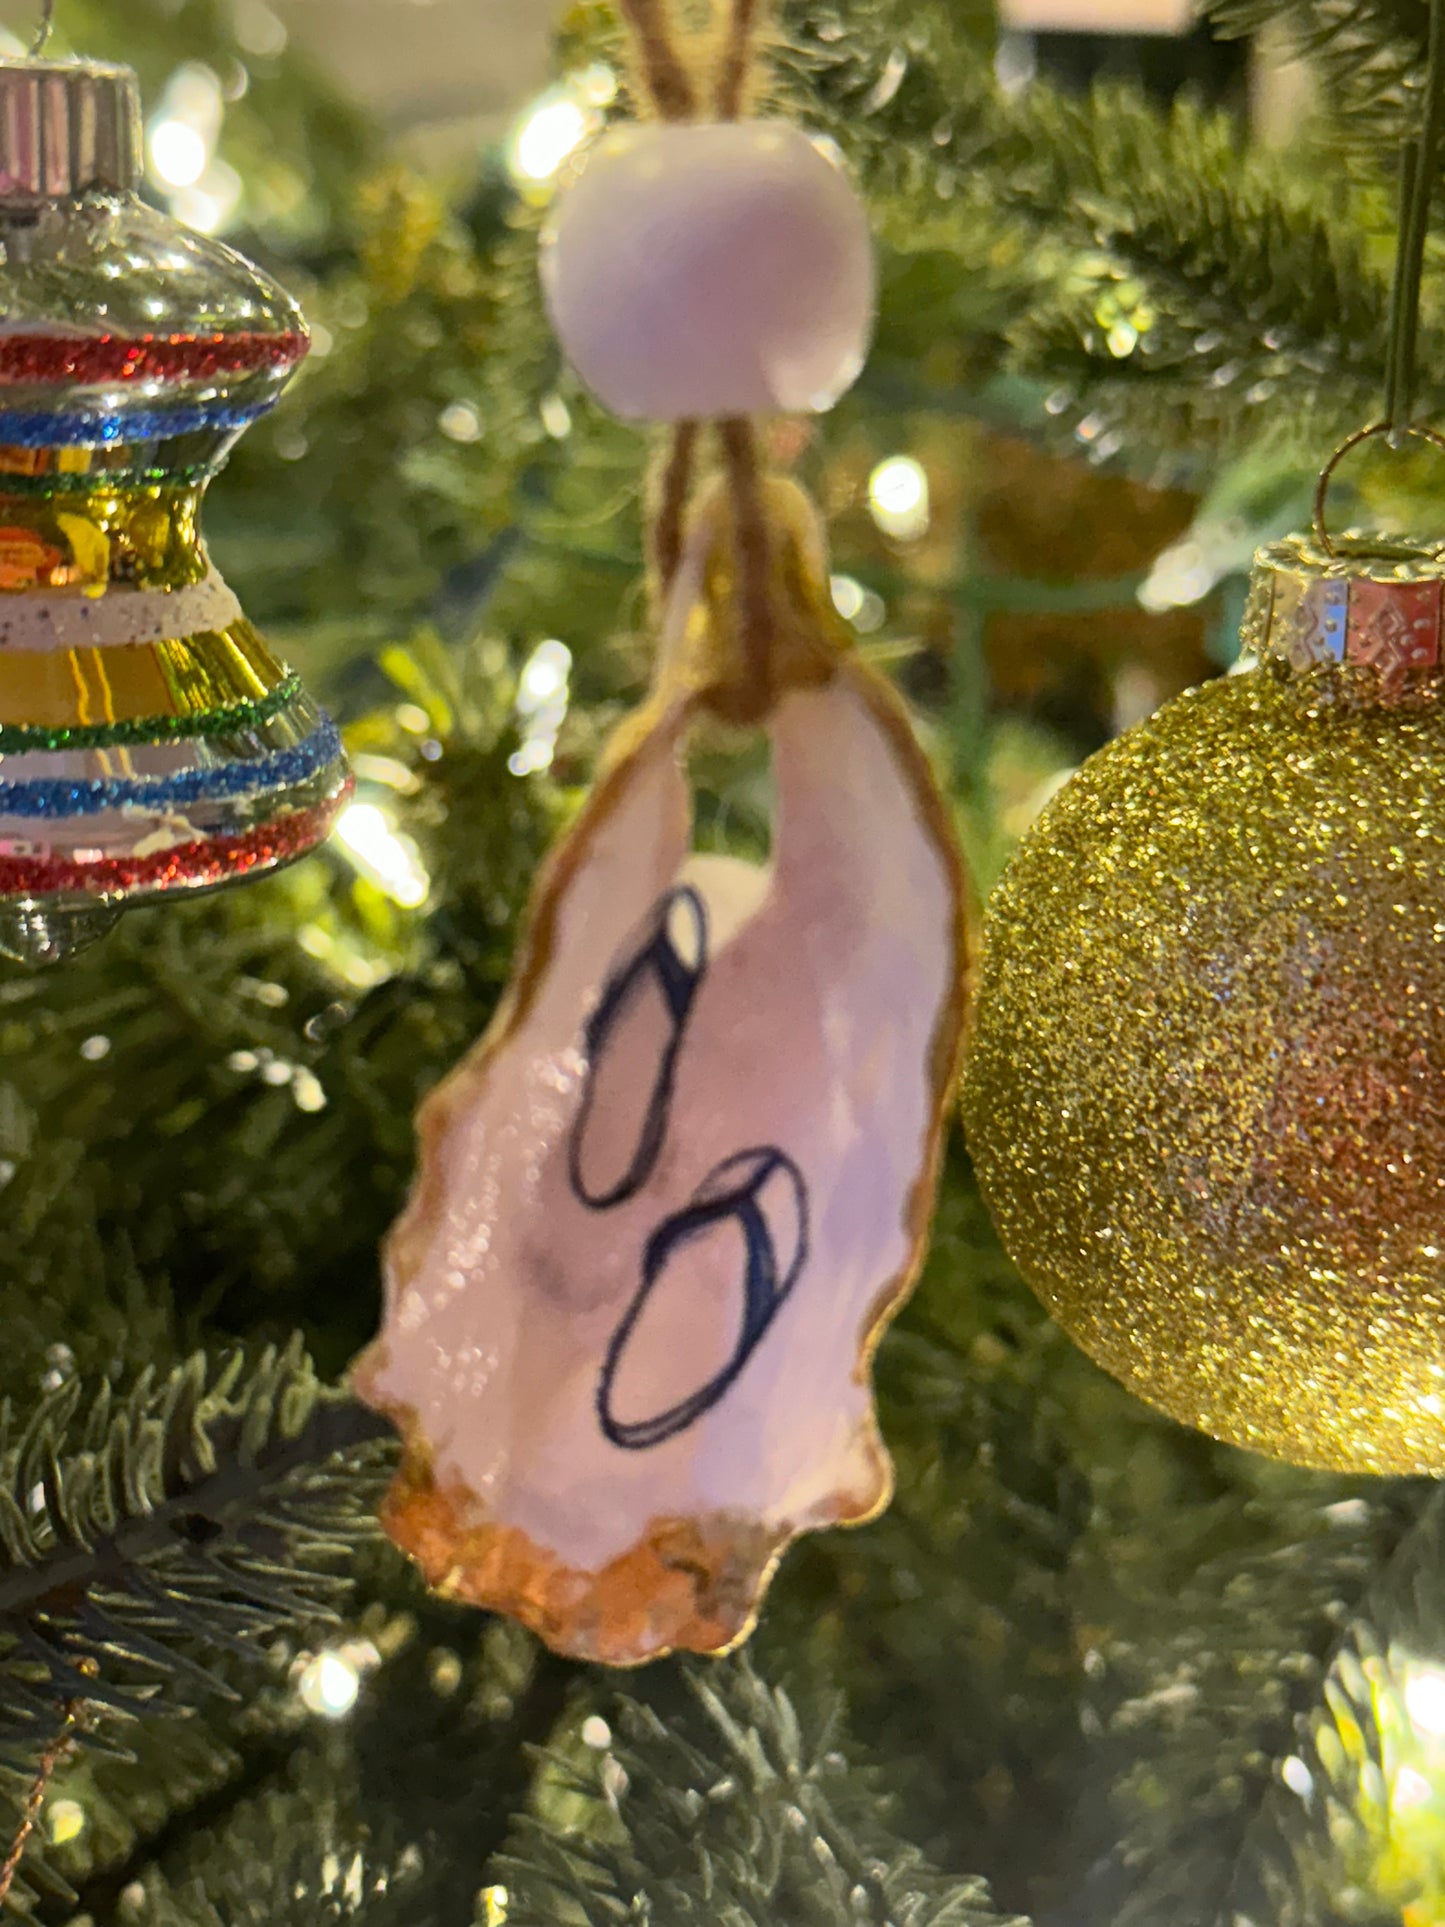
[[79, 688], [145, 538]]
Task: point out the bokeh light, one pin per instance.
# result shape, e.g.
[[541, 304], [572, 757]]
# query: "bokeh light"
[[383, 855], [898, 496], [330, 1685]]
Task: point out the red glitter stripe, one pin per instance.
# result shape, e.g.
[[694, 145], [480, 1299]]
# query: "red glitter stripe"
[[89, 358], [188, 866]]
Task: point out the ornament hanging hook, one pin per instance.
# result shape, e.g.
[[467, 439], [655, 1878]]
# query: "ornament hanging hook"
[[1409, 431], [43, 30]]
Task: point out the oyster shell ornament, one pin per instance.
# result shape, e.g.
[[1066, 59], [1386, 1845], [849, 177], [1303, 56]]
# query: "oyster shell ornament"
[[667, 1205]]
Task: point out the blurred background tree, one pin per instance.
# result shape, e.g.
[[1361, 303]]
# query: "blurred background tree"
[[1089, 1669]]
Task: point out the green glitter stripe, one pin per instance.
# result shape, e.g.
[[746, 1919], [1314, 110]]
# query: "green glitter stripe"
[[152, 729], [96, 480]]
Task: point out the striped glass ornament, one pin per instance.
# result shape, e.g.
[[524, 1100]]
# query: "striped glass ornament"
[[150, 741]]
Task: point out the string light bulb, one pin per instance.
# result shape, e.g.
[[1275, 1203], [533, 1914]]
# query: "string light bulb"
[[178, 153], [330, 1684], [898, 498], [556, 125], [544, 691], [383, 855], [1425, 1701]]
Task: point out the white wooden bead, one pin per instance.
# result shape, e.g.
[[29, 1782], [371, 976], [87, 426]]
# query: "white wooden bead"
[[711, 269]]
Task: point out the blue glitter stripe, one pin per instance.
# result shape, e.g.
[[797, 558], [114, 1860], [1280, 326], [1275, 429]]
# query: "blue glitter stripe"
[[36, 430], [54, 796]]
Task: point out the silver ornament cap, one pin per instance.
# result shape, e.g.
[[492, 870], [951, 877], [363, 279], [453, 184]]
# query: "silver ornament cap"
[[1366, 604], [67, 128]]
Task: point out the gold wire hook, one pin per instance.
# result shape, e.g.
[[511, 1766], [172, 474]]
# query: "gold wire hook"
[[43, 31], [1322, 487]]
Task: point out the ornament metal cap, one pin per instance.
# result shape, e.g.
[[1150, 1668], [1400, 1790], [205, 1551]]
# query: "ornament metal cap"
[[67, 128], [1358, 602]]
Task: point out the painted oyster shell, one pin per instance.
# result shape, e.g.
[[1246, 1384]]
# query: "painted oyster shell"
[[666, 1206]]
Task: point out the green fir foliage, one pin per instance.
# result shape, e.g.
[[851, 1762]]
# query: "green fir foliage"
[[142, 1532], [1088, 1670], [1369, 55], [733, 1809]]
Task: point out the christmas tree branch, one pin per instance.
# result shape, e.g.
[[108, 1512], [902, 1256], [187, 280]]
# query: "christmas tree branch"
[[733, 1808], [1218, 1667], [1337, 1814], [1140, 260], [140, 1536], [336, 1825], [293, 1856], [1370, 54]]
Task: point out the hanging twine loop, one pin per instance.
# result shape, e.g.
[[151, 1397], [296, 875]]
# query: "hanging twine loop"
[[676, 94], [739, 58], [665, 79]]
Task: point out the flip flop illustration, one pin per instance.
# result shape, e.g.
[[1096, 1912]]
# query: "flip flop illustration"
[[760, 1193], [632, 1043]]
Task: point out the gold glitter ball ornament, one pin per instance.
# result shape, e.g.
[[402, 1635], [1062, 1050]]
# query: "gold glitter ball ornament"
[[1206, 1093]]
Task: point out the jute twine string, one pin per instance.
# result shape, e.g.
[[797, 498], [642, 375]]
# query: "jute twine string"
[[674, 91], [661, 68]]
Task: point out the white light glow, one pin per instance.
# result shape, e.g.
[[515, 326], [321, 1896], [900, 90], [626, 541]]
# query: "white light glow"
[[307, 1090], [555, 128], [258, 30], [194, 94], [178, 153], [330, 1685], [597, 84], [181, 144], [556, 418], [1425, 1701], [872, 616], [544, 691], [847, 596], [1411, 1789], [862, 607], [1038, 800], [556, 124], [898, 496], [1179, 578], [383, 856], [210, 205], [460, 422], [545, 677]]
